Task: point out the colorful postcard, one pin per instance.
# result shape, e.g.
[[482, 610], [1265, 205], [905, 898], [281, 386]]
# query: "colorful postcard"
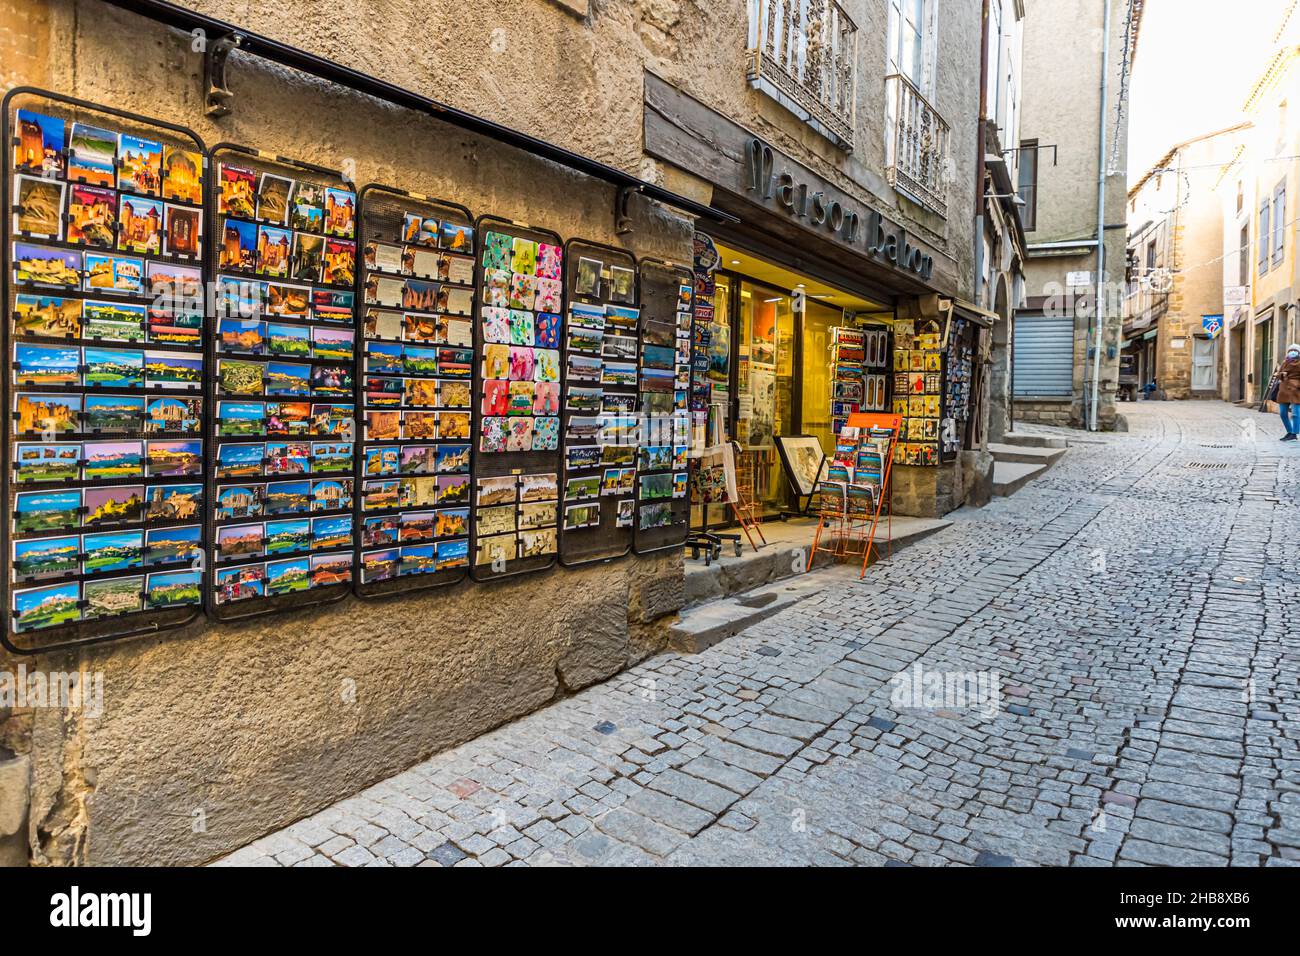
[[237, 194], [112, 597], [51, 606], [139, 165], [38, 207], [106, 273], [43, 265], [139, 224], [273, 199], [286, 537], [92, 156], [121, 504], [182, 175], [173, 545], [113, 459], [184, 231], [113, 413], [47, 510], [174, 459], [38, 146], [38, 558], [46, 365], [173, 588], [46, 415], [274, 247], [239, 584], [47, 316]]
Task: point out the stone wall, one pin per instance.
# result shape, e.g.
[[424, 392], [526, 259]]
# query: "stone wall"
[[213, 735]]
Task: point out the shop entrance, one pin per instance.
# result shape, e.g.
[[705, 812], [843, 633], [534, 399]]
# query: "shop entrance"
[[770, 366]]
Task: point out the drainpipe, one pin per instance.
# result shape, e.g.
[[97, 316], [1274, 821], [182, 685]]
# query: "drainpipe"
[[1099, 308]]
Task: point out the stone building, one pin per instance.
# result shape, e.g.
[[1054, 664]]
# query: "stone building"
[[1060, 169], [1173, 310], [860, 209], [999, 274], [1259, 201]]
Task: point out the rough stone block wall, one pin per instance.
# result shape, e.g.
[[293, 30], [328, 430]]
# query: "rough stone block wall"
[[211, 736]]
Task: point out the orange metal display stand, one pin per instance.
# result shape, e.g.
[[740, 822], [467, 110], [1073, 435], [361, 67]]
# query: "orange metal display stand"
[[846, 529], [746, 506]]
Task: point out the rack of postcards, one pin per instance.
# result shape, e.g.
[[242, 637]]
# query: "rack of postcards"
[[662, 498], [918, 390], [284, 259], [416, 367], [601, 428], [519, 334], [958, 375], [855, 492], [105, 339]]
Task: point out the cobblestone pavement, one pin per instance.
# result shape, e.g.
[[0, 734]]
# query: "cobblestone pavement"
[[1138, 605]]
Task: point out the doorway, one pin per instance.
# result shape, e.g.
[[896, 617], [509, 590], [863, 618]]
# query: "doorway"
[[1237, 361], [1205, 356]]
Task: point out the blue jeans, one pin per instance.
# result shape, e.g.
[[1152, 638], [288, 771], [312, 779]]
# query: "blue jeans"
[[1290, 413]]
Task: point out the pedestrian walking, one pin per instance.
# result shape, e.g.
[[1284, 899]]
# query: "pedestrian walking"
[[1288, 392]]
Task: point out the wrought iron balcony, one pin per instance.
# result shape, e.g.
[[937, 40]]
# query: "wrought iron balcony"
[[803, 53], [916, 145]]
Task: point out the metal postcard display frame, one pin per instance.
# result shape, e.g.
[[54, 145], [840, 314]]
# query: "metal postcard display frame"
[[663, 284], [140, 394], [502, 559], [394, 221], [330, 406], [605, 540]]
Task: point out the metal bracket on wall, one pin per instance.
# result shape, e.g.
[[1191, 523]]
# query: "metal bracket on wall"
[[218, 97], [622, 218]]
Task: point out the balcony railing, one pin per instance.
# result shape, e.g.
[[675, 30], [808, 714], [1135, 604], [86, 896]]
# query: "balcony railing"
[[917, 142], [803, 53]]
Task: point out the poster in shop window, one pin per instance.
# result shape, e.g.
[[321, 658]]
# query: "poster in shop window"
[[762, 390]]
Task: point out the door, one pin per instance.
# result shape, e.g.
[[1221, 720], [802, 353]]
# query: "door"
[[1044, 356], [1205, 356], [1263, 356], [1237, 359]]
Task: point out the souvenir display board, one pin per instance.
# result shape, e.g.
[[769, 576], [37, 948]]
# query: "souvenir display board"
[[959, 365], [662, 498], [519, 337], [601, 425], [281, 483], [416, 369], [104, 335], [918, 388]]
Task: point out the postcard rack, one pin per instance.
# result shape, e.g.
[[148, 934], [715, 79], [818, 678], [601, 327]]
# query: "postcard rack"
[[518, 334], [280, 485], [599, 399], [104, 338], [662, 498], [415, 370]]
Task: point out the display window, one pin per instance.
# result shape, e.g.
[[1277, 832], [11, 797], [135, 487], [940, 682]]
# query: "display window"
[[785, 357]]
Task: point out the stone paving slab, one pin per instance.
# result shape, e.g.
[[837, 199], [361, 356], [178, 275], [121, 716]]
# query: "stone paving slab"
[[1100, 671]]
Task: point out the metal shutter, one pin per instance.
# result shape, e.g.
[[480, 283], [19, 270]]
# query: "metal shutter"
[[1044, 355]]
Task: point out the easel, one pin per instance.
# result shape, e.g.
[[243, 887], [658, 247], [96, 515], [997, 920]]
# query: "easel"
[[846, 527], [703, 541], [802, 511]]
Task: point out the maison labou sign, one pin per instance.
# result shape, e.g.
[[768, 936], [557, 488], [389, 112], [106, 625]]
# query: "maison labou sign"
[[818, 204]]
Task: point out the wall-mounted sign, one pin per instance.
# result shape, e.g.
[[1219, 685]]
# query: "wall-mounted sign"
[[805, 197], [1213, 324], [1074, 280], [1235, 295]]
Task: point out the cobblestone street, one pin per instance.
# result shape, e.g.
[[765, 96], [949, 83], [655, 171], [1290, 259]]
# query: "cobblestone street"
[[1137, 607]]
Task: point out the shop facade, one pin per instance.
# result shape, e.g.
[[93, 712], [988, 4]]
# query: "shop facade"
[[806, 259]]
